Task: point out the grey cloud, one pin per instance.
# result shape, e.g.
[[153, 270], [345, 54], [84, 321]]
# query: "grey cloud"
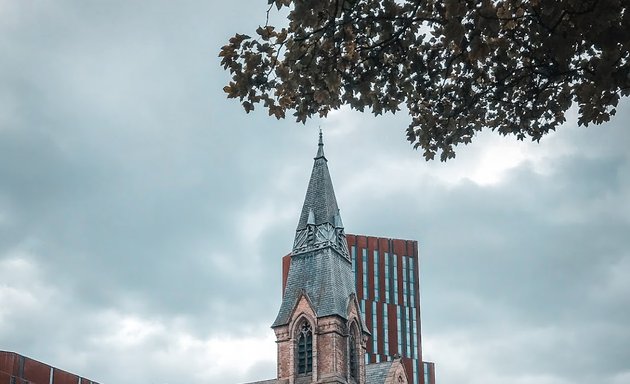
[[136, 188]]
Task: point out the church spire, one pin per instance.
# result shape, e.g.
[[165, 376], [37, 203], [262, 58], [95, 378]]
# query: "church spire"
[[320, 317], [320, 223], [320, 262]]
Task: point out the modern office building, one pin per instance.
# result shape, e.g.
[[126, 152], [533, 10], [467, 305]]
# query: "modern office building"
[[18, 369], [387, 281]]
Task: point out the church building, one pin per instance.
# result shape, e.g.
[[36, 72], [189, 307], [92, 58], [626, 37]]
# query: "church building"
[[321, 335]]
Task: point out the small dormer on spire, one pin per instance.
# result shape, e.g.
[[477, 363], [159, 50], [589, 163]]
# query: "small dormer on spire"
[[338, 222]]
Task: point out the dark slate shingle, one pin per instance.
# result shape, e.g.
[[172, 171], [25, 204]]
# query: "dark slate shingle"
[[320, 196], [327, 279], [322, 269]]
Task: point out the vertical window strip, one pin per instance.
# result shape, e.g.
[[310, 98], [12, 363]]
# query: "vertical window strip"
[[410, 291], [386, 330], [405, 279], [374, 329], [396, 279], [403, 317], [412, 296], [414, 315], [408, 332], [376, 295], [399, 325], [365, 272], [411, 339], [405, 303], [412, 282], [387, 282]]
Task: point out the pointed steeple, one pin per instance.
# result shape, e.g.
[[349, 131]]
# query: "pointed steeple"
[[320, 262], [320, 195], [320, 223], [320, 315]]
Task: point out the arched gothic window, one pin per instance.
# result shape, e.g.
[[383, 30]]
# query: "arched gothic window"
[[305, 349], [353, 357]]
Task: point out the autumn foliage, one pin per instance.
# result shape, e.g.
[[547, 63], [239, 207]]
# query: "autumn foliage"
[[456, 67]]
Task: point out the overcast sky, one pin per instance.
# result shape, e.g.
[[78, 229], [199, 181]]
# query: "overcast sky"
[[143, 215]]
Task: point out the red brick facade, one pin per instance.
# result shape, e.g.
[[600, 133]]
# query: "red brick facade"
[[18, 369], [331, 335]]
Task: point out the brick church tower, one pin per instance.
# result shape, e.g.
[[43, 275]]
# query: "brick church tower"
[[320, 333]]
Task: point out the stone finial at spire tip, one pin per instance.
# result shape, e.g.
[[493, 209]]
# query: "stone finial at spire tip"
[[320, 145]]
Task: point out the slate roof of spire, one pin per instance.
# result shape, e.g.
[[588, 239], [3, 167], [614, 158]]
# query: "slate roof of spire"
[[325, 278], [320, 195], [322, 269]]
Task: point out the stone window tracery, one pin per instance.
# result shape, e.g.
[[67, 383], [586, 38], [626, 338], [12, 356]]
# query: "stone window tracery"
[[353, 357], [352, 352], [305, 349]]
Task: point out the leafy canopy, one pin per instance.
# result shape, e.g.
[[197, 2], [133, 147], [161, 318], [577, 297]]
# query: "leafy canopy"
[[457, 66]]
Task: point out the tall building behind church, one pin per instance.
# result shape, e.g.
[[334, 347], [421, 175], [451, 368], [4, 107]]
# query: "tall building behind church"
[[387, 276]]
